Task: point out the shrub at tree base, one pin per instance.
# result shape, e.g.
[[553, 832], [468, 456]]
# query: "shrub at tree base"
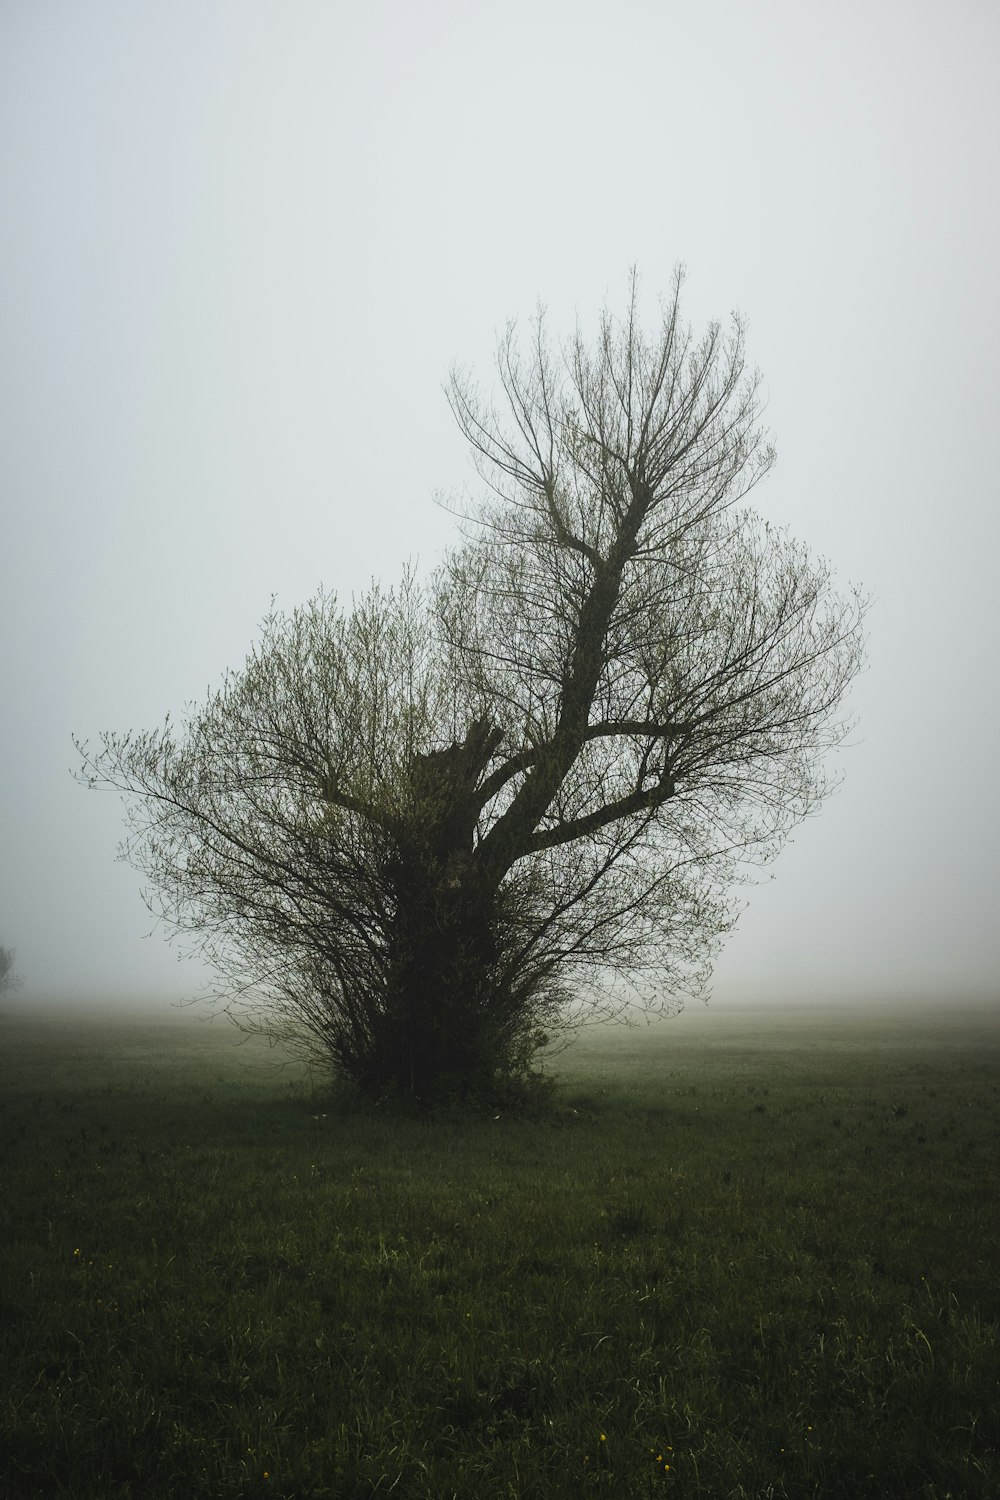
[[411, 833]]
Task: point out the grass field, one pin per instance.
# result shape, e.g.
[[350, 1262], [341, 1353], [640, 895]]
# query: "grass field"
[[753, 1254]]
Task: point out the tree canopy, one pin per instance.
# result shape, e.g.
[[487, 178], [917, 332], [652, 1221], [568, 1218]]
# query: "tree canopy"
[[412, 831]]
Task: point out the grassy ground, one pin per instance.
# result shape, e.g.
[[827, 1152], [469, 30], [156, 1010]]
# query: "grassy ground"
[[755, 1254]]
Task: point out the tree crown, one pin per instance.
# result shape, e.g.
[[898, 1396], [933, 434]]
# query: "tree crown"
[[555, 752]]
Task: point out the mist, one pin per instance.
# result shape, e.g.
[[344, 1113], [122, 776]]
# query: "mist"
[[243, 246]]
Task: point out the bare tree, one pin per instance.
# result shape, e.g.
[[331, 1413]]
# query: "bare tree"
[[412, 831]]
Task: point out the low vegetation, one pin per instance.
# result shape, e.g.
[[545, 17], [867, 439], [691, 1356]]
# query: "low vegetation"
[[741, 1255]]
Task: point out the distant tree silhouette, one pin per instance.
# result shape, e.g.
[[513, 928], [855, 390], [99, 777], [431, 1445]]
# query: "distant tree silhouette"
[[8, 979], [410, 831]]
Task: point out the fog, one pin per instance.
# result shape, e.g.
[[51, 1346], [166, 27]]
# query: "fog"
[[242, 246]]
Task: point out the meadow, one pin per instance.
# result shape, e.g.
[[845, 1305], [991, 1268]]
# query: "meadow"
[[748, 1253]]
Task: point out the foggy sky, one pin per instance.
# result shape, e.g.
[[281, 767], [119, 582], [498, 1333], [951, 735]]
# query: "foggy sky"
[[242, 245]]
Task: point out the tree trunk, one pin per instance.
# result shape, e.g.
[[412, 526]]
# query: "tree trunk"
[[444, 1006]]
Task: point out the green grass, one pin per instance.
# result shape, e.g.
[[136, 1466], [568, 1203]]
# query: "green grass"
[[758, 1248]]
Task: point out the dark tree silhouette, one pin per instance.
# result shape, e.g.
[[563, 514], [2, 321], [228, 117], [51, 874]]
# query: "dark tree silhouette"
[[413, 831]]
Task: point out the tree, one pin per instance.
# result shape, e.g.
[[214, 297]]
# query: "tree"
[[8, 979], [412, 831]]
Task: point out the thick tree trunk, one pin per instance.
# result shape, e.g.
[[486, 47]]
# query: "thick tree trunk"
[[441, 983], [445, 997]]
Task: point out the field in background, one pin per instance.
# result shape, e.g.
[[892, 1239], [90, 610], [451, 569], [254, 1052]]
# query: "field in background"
[[753, 1254]]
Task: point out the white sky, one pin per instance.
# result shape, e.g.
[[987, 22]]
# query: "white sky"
[[242, 243]]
